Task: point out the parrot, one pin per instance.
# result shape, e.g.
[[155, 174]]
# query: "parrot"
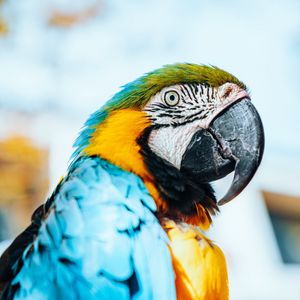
[[129, 220]]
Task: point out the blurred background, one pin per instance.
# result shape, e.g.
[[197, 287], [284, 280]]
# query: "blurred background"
[[60, 60]]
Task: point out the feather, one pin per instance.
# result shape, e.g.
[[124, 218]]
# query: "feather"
[[97, 241]]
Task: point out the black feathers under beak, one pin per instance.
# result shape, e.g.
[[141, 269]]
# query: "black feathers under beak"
[[233, 141]]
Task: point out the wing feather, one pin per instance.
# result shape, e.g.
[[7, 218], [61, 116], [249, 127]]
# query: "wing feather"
[[99, 240]]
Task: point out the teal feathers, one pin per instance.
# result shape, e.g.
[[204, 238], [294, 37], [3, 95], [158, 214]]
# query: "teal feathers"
[[100, 240]]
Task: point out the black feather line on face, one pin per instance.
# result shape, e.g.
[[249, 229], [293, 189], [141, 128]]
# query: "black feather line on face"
[[179, 191]]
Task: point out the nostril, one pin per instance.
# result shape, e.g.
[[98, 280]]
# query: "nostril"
[[227, 92]]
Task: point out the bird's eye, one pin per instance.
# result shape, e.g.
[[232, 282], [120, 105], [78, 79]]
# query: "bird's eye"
[[171, 98]]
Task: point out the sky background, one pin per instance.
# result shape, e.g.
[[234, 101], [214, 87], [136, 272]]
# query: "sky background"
[[52, 78]]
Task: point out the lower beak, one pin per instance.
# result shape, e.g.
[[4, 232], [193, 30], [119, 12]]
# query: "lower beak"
[[234, 141]]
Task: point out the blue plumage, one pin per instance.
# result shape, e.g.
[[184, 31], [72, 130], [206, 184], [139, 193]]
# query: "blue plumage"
[[100, 240]]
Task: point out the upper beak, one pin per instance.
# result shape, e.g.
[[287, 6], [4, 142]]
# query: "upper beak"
[[233, 141]]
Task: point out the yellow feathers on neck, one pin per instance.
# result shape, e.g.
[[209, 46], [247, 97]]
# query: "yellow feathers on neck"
[[115, 140]]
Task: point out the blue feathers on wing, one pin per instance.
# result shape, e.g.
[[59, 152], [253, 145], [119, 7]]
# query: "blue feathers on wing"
[[100, 240]]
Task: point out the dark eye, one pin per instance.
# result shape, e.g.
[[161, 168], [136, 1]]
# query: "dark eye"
[[171, 98]]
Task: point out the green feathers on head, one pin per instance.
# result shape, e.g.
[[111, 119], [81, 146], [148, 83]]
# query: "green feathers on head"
[[138, 92]]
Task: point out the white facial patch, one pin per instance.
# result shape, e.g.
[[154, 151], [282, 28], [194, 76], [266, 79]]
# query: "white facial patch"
[[181, 110], [170, 142]]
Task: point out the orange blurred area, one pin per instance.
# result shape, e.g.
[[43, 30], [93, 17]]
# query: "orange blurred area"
[[67, 19], [24, 179]]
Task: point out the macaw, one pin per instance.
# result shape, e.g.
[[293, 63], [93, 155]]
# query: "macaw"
[[128, 220]]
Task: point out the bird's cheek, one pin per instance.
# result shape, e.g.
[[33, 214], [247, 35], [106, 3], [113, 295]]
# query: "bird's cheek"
[[170, 143]]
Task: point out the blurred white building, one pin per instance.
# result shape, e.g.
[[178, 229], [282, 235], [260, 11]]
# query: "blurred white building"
[[53, 76]]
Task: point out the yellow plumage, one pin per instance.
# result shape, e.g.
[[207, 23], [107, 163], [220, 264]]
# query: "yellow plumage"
[[115, 140], [199, 265]]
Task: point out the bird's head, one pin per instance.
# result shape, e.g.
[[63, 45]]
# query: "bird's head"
[[179, 128]]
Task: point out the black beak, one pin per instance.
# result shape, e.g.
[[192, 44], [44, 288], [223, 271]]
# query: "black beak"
[[233, 141]]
